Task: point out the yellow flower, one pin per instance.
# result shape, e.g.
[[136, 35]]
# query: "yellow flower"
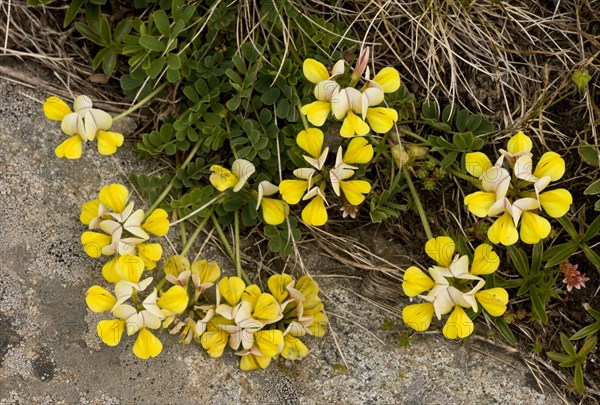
[[214, 340], [485, 260], [146, 345], [157, 222], [311, 140], [314, 71], [252, 362], [556, 202], [477, 163], [292, 191], [175, 265], [94, 242], [318, 326], [493, 300], [274, 211], [519, 143], [269, 342], [534, 227], [388, 80], [550, 164], [359, 151], [174, 300], [99, 300], [415, 282], [317, 112], [441, 250], [293, 348], [150, 254], [129, 268], [315, 213], [458, 325], [278, 284], [114, 196], [418, 316], [381, 119], [111, 331], [232, 288], [355, 190], [480, 202], [108, 271], [503, 230], [108, 142], [267, 309], [222, 179]]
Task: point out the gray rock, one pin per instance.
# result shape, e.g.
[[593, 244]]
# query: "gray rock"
[[50, 354]]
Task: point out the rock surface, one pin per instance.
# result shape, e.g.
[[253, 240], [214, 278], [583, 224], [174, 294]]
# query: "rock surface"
[[50, 354]]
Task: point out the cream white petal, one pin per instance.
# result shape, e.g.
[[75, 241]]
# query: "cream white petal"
[[443, 303], [338, 68], [523, 169], [527, 204], [82, 103], [123, 311], [242, 169], [102, 119], [498, 207], [339, 104], [90, 127], [69, 124], [325, 90], [355, 99], [374, 96], [265, 188]]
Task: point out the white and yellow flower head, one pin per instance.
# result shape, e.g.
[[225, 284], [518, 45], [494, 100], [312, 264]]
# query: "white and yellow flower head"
[[83, 124], [274, 210], [453, 285], [326, 89], [124, 233], [506, 196], [223, 179]]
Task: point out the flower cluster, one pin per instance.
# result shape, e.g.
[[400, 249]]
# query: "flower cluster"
[[358, 109], [512, 197], [125, 234], [453, 284], [573, 277], [83, 124]]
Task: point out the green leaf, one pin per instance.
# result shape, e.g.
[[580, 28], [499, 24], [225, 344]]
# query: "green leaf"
[[504, 330], [519, 259], [581, 78], [591, 255], [473, 122], [152, 43], [429, 110], [448, 113], [597, 206], [588, 346], [559, 253], [448, 159], [568, 226], [162, 22], [123, 28], [156, 67], [461, 120], [271, 96], [578, 375], [105, 33], [592, 231], [109, 62], [558, 357], [536, 257], [173, 61], [233, 103], [586, 331], [593, 188], [537, 306], [90, 34], [567, 345], [589, 154], [72, 12]]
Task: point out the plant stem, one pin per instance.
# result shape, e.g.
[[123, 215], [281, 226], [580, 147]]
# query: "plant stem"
[[190, 242], [418, 204], [226, 244], [167, 189], [141, 102], [412, 134], [161, 283], [238, 259]]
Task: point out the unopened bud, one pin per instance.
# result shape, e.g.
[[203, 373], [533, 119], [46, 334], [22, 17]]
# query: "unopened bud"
[[400, 156], [361, 64]]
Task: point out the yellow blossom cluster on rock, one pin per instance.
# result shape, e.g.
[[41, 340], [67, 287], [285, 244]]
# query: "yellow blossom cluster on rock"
[[453, 285], [82, 124], [518, 198], [124, 234]]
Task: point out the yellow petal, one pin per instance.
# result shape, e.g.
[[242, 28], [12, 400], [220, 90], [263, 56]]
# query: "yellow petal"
[[89, 211], [557, 202], [458, 325], [221, 178], [292, 191], [208, 272], [277, 285], [519, 143], [503, 231], [214, 341], [418, 316], [99, 300], [251, 362], [317, 112], [353, 125], [157, 222], [355, 190], [381, 119], [311, 140], [175, 265], [232, 288], [307, 286], [477, 163], [114, 196], [146, 345], [110, 331], [274, 211], [550, 164], [441, 249], [150, 254], [174, 300], [485, 260], [415, 282], [270, 342], [251, 294], [70, 148], [315, 213], [493, 300], [314, 71], [388, 78], [93, 242], [359, 151], [108, 142], [267, 309], [318, 326], [293, 348], [129, 268], [109, 272], [55, 109], [480, 202], [534, 227]]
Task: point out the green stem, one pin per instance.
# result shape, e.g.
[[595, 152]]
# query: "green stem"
[[190, 242], [141, 102], [167, 189], [238, 258], [457, 173], [412, 134], [161, 283], [224, 240], [418, 204]]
